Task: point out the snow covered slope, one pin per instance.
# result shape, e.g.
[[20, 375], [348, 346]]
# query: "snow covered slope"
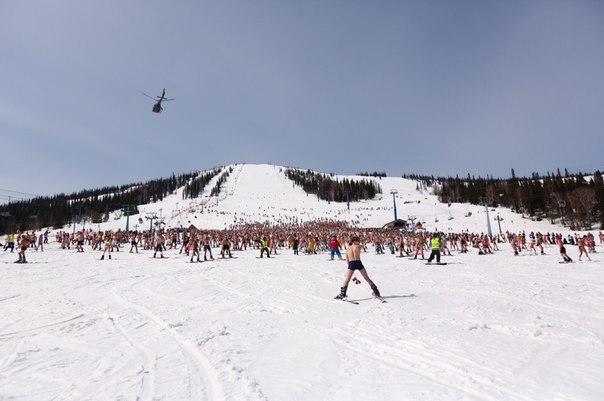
[[259, 193], [482, 328]]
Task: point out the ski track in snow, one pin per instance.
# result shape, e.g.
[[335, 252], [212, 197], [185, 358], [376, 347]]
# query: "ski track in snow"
[[482, 328], [269, 330], [204, 383]]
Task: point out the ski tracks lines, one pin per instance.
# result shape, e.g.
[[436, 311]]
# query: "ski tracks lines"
[[10, 297], [201, 362], [287, 309], [33, 329], [417, 359], [148, 369]]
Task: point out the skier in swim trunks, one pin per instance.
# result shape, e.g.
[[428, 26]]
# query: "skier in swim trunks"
[[353, 258]]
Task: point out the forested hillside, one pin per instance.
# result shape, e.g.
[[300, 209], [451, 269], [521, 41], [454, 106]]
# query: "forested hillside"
[[576, 201], [95, 205], [326, 187]]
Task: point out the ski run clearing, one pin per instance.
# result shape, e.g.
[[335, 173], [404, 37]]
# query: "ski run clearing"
[[493, 327]]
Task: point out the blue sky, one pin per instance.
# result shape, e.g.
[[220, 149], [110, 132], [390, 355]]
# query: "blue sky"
[[428, 87]]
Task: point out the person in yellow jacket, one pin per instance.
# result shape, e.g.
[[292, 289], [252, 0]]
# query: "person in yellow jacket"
[[435, 245], [264, 247], [10, 242]]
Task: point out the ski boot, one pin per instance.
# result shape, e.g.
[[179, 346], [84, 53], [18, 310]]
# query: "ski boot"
[[342, 294], [376, 292]]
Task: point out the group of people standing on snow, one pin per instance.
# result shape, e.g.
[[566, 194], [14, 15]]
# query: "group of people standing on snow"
[[312, 238], [24, 242]]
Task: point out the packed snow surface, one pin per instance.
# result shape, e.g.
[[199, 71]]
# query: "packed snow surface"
[[494, 327]]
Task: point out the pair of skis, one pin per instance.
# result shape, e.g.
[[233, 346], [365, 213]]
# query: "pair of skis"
[[380, 298], [357, 281]]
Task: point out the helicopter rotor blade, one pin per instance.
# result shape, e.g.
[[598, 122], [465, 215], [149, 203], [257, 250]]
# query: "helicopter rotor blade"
[[167, 100], [150, 97]]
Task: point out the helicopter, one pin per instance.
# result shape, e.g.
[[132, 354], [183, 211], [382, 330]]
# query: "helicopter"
[[158, 99]]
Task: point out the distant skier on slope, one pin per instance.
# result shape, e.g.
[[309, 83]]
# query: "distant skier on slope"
[[295, 244], [160, 240], [107, 243], [353, 258], [420, 242], [264, 247], [565, 257], [194, 247], [23, 245], [582, 250], [206, 247], [334, 247], [435, 243], [226, 247], [10, 242]]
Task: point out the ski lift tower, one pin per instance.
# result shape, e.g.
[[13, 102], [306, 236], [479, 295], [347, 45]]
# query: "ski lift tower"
[[561, 208], [151, 216], [128, 209], [485, 202], [394, 192], [499, 220]]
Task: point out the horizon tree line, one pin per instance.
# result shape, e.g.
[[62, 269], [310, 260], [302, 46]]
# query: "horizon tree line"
[[332, 189], [570, 199], [93, 206]]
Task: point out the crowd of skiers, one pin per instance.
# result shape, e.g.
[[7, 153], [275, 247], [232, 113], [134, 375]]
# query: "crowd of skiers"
[[313, 238]]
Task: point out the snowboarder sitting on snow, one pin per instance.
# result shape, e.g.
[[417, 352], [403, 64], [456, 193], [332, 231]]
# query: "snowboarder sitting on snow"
[[353, 258]]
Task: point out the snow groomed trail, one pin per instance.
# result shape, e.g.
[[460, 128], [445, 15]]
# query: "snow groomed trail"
[[493, 327]]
